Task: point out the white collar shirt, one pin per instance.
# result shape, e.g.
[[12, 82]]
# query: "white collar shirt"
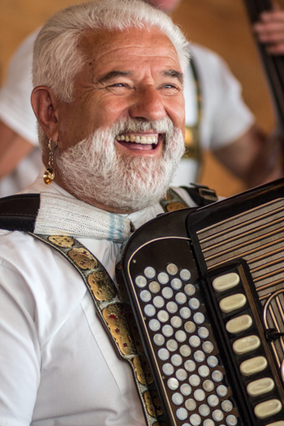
[[58, 367]]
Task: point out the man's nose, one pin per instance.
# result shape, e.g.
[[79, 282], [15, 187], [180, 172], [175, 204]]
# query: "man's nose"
[[147, 104]]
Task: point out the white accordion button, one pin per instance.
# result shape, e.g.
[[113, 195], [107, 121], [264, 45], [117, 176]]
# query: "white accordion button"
[[261, 386], [267, 408], [238, 324], [253, 365], [246, 344], [231, 303], [225, 282]]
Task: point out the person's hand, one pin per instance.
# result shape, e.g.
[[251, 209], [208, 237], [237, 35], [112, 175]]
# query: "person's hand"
[[270, 30]]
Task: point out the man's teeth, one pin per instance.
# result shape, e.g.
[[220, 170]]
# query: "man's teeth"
[[146, 140]]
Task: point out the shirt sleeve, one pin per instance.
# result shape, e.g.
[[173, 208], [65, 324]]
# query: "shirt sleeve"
[[19, 349], [15, 94]]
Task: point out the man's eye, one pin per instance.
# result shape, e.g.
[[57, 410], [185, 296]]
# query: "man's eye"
[[118, 85], [170, 89], [118, 88]]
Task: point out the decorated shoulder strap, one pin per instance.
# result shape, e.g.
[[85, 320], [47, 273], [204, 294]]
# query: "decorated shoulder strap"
[[117, 318]]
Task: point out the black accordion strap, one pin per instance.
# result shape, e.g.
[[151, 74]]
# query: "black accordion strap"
[[202, 195], [19, 212]]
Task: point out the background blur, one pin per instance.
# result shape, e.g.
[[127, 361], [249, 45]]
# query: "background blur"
[[220, 25]]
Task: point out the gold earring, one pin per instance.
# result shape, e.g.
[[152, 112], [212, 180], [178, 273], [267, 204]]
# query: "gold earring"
[[49, 173]]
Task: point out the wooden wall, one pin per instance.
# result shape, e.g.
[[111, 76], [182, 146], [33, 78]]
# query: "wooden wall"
[[221, 25]]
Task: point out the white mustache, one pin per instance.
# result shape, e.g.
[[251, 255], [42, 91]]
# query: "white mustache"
[[129, 124]]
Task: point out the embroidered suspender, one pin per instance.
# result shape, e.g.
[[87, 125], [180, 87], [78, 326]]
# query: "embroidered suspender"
[[116, 317]]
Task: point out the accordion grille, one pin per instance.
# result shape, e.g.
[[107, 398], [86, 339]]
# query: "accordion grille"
[[257, 236]]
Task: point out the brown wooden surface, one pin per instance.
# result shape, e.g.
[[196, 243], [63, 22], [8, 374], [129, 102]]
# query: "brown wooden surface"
[[221, 25]]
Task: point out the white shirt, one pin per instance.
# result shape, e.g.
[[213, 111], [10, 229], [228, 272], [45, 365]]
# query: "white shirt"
[[225, 116], [57, 365]]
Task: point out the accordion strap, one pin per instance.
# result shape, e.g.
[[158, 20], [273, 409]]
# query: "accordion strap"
[[116, 317]]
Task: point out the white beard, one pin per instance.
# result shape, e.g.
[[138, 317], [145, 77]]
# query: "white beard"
[[95, 170]]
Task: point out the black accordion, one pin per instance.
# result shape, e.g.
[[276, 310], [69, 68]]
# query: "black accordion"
[[207, 290]]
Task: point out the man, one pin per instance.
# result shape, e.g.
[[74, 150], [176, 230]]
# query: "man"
[[110, 107], [227, 127]]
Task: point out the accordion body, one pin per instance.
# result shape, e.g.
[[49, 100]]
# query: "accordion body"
[[207, 290]]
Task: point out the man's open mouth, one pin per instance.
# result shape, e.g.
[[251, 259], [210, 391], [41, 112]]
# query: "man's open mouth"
[[149, 141]]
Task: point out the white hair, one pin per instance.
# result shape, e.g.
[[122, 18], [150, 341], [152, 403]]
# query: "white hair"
[[57, 58]]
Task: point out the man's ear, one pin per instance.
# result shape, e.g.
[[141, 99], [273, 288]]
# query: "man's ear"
[[44, 104]]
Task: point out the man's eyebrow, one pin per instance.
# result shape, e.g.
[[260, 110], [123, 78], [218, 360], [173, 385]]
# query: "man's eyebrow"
[[114, 74], [174, 73]]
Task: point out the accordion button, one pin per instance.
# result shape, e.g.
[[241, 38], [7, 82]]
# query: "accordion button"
[[213, 400], [222, 391], [204, 410], [189, 289], [253, 365], [173, 383], [163, 316], [176, 321], [260, 387], [176, 284], [225, 282], [190, 365], [231, 420], [181, 413], [172, 307], [176, 360], [209, 422], [217, 415], [172, 345], [185, 389], [185, 351], [194, 303], [199, 356], [195, 419], [227, 405], [172, 269], [231, 303], [163, 278], [246, 344], [185, 274], [154, 287], [208, 385], [140, 281], [194, 380], [199, 395], [241, 323], [207, 347], [149, 272], [267, 408], [203, 371], [190, 404], [177, 398], [159, 302]]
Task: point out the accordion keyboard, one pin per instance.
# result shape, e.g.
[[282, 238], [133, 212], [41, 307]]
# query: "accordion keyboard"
[[204, 339], [179, 338]]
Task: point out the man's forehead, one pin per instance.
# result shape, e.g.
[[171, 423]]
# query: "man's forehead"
[[102, 43]]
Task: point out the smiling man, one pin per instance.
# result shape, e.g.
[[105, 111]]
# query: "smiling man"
[[108, 81], [123, 128]]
